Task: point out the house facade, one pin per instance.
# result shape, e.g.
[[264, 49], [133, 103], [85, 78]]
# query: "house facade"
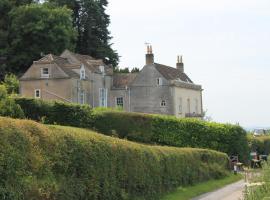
[[156, 89]]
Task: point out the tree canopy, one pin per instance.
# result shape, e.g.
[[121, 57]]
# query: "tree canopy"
[[29, 28], [91, 23], [36, 29]]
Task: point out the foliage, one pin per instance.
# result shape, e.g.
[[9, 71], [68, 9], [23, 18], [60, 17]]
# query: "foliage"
[[55, 112], [8, 107], [259, 144], [36, 29], [5, 7], [64, 163], [91, 22], [126, 70], [260, 191], [155, 129], [11, 83]]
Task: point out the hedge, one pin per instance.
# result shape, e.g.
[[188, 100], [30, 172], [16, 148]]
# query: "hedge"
[[260, 144], [145, 128], [64, 163]]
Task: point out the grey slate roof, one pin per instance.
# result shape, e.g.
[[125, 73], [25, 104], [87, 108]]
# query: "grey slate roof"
[[121, 80], [171, 73]]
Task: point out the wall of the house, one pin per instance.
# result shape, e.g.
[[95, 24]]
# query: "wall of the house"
[[146, 95], [56, 89], [181, 108], [120, 93]]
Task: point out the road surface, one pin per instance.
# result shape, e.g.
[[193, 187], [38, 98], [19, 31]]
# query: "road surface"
[[230, 192]]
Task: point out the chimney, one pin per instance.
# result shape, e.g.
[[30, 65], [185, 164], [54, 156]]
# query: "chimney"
[[180, 64], [149, 55]]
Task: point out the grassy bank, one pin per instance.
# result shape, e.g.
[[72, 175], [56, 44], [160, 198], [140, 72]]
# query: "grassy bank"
[[186, 193]]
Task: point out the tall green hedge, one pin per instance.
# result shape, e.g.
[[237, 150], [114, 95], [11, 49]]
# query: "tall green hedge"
[[145, 128], [64, 163]]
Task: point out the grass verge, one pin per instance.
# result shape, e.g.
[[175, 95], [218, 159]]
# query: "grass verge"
[[185, 193]]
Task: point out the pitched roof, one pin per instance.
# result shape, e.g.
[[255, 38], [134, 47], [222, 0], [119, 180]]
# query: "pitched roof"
[[91, 63], [121, 80], [171, 73]]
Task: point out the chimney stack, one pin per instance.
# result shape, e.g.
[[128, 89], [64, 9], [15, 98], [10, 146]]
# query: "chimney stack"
[[180, 64], [149, 55]]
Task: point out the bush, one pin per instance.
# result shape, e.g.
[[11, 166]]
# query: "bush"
[[54, 112], [145, 128], [8, 107], [64, 163], [168, 130], [260, 144]]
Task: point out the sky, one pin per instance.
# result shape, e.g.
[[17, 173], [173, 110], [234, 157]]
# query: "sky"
[[225, 46]]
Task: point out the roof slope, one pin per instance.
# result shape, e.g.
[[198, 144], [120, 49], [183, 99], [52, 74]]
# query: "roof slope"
[[171, 73], [121, 80]]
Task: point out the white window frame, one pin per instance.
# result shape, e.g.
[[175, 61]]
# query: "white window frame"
[[188, 106], [163, 103], [45, 75], [35, 93], [159, 81], [82, 73], [117, 102], [102, 69], [82, 97], [196, 106], [180, 106], [103, 97]]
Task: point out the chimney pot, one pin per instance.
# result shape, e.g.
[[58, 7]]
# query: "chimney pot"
[[180, 64], [149, 55]]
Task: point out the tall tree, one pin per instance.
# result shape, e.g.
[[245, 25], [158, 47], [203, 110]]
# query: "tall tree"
[[36, 29], [92, 23], [5, 7]]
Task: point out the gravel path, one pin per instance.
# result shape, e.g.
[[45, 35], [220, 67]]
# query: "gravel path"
[[229, 192]]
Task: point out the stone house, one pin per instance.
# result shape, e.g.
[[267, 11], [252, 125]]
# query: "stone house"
[[82, 79]]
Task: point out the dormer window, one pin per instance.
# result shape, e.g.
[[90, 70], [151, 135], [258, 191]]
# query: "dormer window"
[[45, 72], [159, 81], [82, 73]]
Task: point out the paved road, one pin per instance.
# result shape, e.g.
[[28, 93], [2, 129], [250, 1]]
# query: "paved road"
[[229, 192]]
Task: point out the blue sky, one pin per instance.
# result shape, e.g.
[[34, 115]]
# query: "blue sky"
[[225, 45]]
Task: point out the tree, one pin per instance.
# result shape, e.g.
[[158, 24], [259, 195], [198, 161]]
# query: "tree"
[[135, 70], [5, 7], [37, 28], [91, 22], [8, 107], [11, 84]]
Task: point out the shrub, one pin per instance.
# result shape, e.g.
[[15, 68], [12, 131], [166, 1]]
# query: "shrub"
[[54, 112], [8, 107], [260, 144], [64, 163], [145, 128]]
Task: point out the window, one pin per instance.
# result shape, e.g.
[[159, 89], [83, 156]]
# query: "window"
[[159, 81], [196, 106], [180, 105], [188, 106], [82, 74], [120, 102], [82, 97], [45, 72], [163, 103], [103, 97], [101, 68], [37, 93]]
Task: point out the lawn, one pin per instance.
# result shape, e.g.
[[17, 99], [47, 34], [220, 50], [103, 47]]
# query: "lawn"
[[185, 193]]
